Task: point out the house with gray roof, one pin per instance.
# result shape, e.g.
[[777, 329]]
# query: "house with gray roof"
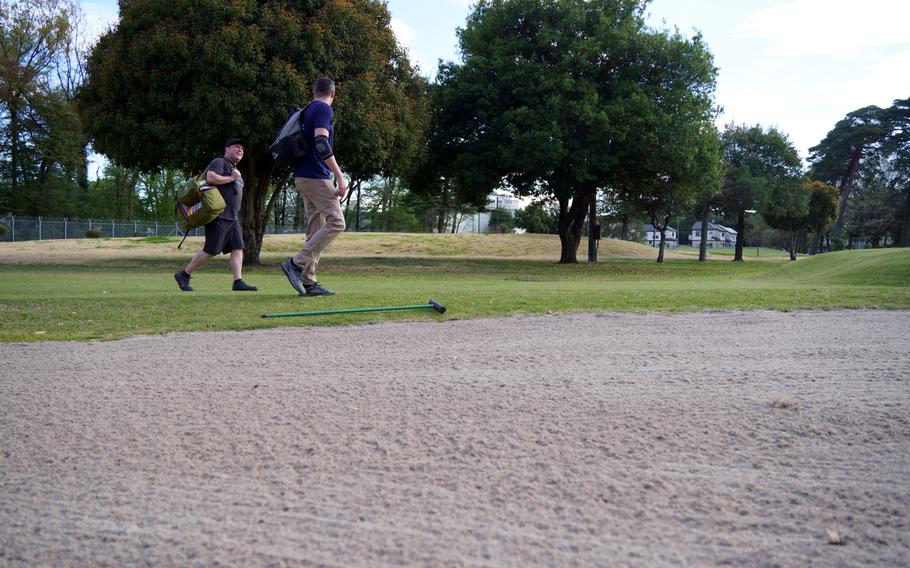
[[718, 236], [652, 236]]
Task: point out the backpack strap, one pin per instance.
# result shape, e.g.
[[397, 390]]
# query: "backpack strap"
[[302, 113]]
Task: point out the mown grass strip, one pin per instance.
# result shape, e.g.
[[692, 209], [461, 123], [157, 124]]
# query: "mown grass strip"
[[77, 303]]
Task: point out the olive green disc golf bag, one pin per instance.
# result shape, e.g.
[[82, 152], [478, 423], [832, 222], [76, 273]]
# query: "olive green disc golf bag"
[[198, 204]]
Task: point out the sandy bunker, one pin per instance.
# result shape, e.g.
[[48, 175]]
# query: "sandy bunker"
[[697, 439]]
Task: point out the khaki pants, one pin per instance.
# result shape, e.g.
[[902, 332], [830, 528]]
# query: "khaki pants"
[[325, 221]]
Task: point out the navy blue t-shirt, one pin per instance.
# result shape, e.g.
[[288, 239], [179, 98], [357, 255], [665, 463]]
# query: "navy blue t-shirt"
[[231, 192], [317, 115]]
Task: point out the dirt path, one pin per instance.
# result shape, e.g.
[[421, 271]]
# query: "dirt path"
[[699, 439]]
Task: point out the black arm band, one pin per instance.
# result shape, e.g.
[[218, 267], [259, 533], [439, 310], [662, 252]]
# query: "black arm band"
[[323, 148]]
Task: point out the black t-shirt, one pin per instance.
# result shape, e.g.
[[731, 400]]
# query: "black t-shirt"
[[232, 192]]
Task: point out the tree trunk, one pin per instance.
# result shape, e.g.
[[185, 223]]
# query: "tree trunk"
[[625, 227], [357, 207], [254, 209], [846, 184], [793, 244], [592, 237], [441, 222], [82, 176], [663, 241], [740, 236], [571, 219], [816, 244], [703, 245], [13, 148]]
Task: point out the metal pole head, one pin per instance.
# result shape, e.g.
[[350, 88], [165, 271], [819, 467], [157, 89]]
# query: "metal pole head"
[[437, 306]]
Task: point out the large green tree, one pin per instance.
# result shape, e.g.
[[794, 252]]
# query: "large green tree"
[[787, 210], [838, 157], [822, 210], [175, 78], [877, 201], [433, 178], [42, 148], [545, 99], [897, 146], [674, 158], [755, 162]]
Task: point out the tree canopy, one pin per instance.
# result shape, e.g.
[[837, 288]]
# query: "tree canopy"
[[176, 78], [756, 163], [837, 158], [42, 170], [787, 210], [549, 96], [822, 210]]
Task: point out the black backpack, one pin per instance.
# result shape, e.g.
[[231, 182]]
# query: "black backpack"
[[290, 146]]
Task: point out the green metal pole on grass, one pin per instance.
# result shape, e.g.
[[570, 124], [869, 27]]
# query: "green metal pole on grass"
[[432, 304]]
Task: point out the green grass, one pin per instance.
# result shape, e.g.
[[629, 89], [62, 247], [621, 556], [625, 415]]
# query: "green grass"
[[119, 299], [158, 239], [748, 252]]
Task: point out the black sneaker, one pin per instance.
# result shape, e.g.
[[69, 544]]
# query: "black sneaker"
[[292, 271], [183, 281], [315, 289], [241, 286]]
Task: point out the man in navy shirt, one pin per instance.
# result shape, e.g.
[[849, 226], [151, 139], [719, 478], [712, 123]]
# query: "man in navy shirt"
[[313, 179], [223, 235]]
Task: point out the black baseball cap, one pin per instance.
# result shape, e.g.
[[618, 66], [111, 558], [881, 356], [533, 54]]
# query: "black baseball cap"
[[232, 141]]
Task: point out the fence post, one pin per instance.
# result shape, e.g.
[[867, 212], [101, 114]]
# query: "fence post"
[[113, 229], [90, 223], [135, 227], [156, 228], [13, 227], [64, 227], [39, 227]]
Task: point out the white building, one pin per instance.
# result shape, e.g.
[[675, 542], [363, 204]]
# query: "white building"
[[652, 236], [718, 236], [479, 222]]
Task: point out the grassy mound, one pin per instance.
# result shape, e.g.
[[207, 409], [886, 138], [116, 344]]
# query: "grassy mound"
[[106, 252], [871, 267]]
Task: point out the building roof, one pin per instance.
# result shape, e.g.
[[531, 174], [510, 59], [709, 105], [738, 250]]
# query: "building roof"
[[650, 228], [713, 227]]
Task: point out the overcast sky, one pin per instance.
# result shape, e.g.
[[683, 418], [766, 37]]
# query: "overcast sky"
[[798, 65]]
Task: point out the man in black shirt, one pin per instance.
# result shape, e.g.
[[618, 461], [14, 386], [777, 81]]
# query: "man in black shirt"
[[223, 235]]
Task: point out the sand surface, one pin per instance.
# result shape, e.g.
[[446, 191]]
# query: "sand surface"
[[739, 439]]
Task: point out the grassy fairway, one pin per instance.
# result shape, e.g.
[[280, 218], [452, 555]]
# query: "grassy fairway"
[[119, 296], [748, 252]]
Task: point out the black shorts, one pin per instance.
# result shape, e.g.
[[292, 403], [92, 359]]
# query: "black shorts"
[[222, 236]]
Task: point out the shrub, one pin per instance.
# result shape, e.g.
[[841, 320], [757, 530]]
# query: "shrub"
[[3, 230], [93, 234]]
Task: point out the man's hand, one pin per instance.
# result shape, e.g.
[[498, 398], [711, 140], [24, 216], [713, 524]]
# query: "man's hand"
[[342, 187], [235, 174]]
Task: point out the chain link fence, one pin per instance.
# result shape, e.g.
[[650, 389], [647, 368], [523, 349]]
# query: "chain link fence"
[[23, 228], [15, 228]]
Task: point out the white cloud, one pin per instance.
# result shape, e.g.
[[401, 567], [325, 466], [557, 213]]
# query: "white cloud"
[[98, 18], [829, 27], [403, 32], [884, 81]]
